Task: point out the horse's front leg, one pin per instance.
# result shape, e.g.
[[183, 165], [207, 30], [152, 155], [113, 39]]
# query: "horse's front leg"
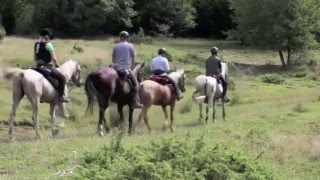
[[54, 130], [164, 109], [102, 122], [130, 120], [171, 114]]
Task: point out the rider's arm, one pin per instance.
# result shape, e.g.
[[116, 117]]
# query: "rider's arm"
[[167, 65], [219, 67], [50, 48]]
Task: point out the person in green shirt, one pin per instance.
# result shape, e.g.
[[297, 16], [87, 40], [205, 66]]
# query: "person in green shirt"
[[44, 55]]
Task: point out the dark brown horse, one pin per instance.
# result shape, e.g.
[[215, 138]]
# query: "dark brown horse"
[[106, 85]]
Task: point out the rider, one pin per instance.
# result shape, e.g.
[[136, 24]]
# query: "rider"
[[123, 55], [160, 66], [213, 68], [44, 56]]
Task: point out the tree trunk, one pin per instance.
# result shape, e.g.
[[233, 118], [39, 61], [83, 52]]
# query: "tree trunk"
[[289, 57], [282, 58]]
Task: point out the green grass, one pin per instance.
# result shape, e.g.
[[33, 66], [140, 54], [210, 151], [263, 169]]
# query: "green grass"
[[276, 123]]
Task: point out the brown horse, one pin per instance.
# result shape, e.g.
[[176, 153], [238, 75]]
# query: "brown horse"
[[106, 85], [153, 93]]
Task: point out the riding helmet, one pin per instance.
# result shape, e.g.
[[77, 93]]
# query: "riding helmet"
[[162, 51], [214, 50], [46, 32], [124, 34]]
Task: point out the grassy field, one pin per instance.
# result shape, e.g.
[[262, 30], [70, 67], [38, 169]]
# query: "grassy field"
[[279, 124]]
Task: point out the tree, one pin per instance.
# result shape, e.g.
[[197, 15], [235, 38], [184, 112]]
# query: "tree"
[[213, 18], [282, 25], [165, 17]]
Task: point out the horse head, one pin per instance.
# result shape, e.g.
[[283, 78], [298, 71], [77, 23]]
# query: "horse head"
[[72, 71], [138, 71], [179, 76]]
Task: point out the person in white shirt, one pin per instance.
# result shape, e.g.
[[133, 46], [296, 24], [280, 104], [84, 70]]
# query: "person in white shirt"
[[159, 66]]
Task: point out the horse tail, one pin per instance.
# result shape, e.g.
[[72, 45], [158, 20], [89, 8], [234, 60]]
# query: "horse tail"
[[200, 99], [90, 92], [11, 73]]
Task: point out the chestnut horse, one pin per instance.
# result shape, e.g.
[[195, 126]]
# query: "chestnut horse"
[[153, 93], [106, 85]]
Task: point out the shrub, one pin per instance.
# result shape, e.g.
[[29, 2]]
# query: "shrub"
[[272, 78], [235, 100], [2, 33], [171, 158], [186, 107], [231, 83], [300, 108], [141, 38]]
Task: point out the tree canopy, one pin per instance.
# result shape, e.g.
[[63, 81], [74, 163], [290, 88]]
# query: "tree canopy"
[[282, 25]]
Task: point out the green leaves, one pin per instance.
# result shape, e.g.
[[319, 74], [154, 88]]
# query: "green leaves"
[[171, 158]]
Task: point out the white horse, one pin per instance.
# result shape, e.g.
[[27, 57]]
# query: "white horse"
[[38, 90], [208, 87]]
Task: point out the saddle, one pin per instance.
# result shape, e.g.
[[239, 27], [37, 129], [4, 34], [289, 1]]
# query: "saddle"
[[123, 74], [163, 80], [216, 76], [46, 72]]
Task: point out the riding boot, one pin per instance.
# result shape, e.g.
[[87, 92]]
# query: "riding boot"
[[225, 87], [175, 88], [62, 83], [135, 91]]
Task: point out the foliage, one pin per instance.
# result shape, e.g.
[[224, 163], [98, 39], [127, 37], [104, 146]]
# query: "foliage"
[[170, 159], [283, 25], [213, 18], [272, 78], [165, 17], [300, 108], [2, 33], [141, 38]]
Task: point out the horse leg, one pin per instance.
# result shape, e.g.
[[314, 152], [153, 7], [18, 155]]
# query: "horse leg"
[[35, 109], [214, 111], [207, 111], [164, 109], [120, 111], [145, 117], [16, 96], [200, 111], [101, 120], [130, 120], [54, 130], [223, 110], [172, 105]]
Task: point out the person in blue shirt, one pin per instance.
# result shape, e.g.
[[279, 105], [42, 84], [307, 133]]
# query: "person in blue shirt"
[[160, 66]]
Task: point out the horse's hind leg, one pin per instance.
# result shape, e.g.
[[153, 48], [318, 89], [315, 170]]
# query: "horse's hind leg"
[[16, 96], [171, 114], [207, 111], [145, 116], [164, 109], [223, 110], [200, 112], [35, 108], [54, 130], [214, 111]]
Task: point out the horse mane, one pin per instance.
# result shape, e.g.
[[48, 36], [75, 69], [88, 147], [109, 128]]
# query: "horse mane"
[[177, 74]]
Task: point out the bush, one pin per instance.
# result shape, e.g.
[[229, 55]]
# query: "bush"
[[186, 107], [231, 83], [272, 78], [169, 159], [299, 108], [2, 33], [141, 38]]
